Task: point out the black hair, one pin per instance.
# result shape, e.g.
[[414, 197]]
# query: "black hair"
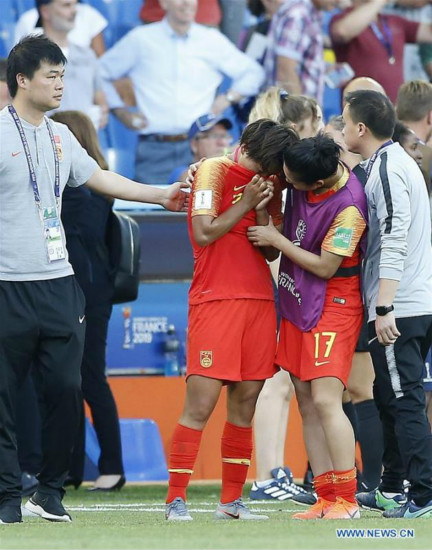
[[375, 110], [40, 3], [401, 132], [313, 159], [265, 142], [26, 58], [256, 7]]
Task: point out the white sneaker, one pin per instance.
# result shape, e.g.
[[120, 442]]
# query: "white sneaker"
[[177, 511], [236, 510]]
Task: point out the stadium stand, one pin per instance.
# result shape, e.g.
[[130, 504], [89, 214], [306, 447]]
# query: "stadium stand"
[[7, 24]]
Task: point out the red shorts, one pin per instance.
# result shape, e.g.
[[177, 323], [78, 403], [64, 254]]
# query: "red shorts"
[[326, 350], [232, 340]]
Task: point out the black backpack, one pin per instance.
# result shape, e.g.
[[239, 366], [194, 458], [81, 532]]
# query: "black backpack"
[[124, 244]]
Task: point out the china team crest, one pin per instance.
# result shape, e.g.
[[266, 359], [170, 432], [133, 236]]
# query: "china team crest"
[[206, 359]]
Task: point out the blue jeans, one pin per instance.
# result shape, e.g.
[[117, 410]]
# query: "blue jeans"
[[155, 160]]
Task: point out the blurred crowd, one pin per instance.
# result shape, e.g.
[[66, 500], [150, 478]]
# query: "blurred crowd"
[[158, 67]]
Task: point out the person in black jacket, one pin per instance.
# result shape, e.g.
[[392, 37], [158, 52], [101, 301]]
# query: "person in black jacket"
[[85, 217]]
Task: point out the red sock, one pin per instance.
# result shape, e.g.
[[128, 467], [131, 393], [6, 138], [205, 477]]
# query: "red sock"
[[345, 484], [184, 449], [236, 447], [324, 486]]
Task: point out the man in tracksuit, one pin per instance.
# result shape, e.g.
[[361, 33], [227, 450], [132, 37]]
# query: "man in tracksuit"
[[398, 293]]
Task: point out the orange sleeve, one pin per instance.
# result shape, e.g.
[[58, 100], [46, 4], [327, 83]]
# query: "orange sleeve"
[[345, 232], [207, 187]]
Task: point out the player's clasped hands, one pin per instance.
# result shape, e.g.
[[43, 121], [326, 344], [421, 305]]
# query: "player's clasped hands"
[[263, 235], [258, 190], [386, 329]]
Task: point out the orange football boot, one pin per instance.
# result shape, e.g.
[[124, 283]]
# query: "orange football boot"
[[316, 511], [342, 509]]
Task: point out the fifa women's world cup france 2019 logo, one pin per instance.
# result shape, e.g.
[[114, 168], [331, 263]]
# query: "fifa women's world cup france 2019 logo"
[[206, 359], [127, 328], [300, 232]]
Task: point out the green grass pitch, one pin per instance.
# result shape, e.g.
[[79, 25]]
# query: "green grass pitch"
[[134, 518]]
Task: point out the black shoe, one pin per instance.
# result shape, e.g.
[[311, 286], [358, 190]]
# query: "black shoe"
[[72, 482], [10, 514], [116, 487], [48, 507], [29, 484]]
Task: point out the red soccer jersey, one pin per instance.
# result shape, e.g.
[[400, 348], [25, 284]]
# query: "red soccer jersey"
[[231, 267]]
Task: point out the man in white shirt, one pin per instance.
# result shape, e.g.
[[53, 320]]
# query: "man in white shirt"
[[83, 85], [176, 67], [87, 31]]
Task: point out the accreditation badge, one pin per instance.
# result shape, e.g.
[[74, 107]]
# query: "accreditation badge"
[[53, 236], [59, 148]]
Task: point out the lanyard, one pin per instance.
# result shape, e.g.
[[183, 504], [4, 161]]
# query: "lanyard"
[[374, 157], [30, 161], [385, 38]]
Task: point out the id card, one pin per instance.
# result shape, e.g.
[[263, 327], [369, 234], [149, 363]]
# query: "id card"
[[53, 236]]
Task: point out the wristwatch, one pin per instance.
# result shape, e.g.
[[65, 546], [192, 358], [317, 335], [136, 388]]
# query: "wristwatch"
[[383, 310], [230, 97]]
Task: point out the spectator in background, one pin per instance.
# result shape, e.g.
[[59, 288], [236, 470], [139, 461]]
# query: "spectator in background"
[[208, 137], [362, 83], [87, 31], [294, 58], [373, 43], [229, 14], [233, 16], [85, 217], [83, 86], [417, 57], [414, 109], [176, 67], [254, 39], [208, 12], [409, 141]]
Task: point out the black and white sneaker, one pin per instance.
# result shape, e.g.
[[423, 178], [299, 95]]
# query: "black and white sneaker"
[[299, 495], [48, 507], [10, 514]]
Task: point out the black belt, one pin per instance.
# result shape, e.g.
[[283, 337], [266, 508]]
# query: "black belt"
[[348, 271], [163, 137]]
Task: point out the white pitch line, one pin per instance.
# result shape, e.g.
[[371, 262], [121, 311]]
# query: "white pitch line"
[[207, 503], [155, 509]]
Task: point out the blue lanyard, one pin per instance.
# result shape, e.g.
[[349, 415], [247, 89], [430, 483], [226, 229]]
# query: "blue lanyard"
[[385, 38], [374, 157], [30, 161]]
